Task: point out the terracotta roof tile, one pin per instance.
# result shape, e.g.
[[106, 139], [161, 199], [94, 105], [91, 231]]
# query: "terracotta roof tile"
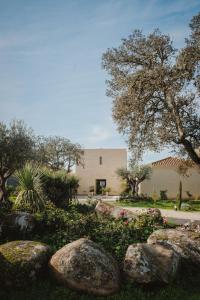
[[169, 162]]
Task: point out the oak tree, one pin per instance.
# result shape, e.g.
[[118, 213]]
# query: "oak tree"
[[59, 153], [155, 91]]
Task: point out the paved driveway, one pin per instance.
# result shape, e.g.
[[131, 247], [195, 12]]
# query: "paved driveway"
[[178, 217]]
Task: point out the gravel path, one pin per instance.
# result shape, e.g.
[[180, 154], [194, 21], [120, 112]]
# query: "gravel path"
[[178, 217]]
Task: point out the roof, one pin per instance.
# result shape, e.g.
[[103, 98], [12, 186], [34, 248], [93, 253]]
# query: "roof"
[[169, 162]]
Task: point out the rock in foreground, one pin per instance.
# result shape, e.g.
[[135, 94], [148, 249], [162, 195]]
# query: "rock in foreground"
[[18, 223], [84, 265], [185, 243], [22, 261], [150, 263]]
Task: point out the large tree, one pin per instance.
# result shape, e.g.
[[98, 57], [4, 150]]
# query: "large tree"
[[59, 153], [134, 175], [16, 147], [155, 91]]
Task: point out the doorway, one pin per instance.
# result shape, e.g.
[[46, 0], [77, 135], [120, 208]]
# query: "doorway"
[[100, 183]]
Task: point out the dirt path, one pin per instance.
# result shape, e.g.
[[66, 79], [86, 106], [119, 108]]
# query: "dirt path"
[[178, 217]]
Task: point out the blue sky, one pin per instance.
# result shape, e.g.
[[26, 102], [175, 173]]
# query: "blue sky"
[[50, 61]]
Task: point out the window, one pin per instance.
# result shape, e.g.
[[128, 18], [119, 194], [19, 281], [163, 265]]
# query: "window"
[[100, 160]]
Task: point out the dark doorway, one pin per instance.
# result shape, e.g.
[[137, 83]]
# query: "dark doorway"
[[100, 183]]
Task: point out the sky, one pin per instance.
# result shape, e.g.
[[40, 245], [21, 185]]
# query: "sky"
[[50, 61]]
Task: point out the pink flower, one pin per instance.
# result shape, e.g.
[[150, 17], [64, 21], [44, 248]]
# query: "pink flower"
[[122, 213], [126, 222], [164, 220]]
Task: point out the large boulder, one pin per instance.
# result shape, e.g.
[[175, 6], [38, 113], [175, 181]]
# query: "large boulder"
[[145, 263], [22, 261], [185, 243], [84, 265], [18, 224], [190, 226], [116, 212]]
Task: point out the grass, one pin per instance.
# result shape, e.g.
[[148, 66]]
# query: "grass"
[[163, 204], [184, 288]]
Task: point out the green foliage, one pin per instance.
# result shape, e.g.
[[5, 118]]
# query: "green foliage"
[[154, 196], [186, 206], [163, 195], [155, 93], [31, 195], [106, 190], [58, 153], [60, 187], [16, 147], [134, 176], [58, 227]]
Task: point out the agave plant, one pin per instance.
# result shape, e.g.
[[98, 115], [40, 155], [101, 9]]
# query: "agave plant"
[[30, 188]]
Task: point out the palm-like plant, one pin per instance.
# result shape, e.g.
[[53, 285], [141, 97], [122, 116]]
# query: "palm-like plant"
[[30, 187]]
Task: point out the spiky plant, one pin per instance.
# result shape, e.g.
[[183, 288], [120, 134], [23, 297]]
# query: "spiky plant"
[[30, 188]]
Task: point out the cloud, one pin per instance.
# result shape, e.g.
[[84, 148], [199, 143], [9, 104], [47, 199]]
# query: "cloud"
[[156, 8], [98, 135]]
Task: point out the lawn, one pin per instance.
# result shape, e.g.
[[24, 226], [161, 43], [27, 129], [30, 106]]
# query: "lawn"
[[163, 204]]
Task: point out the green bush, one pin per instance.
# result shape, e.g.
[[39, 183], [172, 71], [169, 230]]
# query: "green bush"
[[30, 195], [186, 206], [163, 195], [60, 187], [57, 227]]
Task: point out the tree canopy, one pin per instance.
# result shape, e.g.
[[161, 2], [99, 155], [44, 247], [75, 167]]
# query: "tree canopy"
[[16, 147], [59, 153], [155, 91]]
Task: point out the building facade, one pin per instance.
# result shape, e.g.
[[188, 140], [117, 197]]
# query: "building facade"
[[165, 177], [99, 171]]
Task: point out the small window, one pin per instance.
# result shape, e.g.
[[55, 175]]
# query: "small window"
[[100, 160]]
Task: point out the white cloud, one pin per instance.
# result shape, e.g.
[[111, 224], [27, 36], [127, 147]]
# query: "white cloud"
[[98, 135]]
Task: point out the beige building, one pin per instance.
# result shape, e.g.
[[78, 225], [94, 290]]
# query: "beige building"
[[99, 170], [166, 178]]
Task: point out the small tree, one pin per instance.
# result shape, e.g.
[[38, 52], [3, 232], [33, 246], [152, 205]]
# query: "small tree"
[[134, 176], [182, 170], [59, 153], [16, 147]]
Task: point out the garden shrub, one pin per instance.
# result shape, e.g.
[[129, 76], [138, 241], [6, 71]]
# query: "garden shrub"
[[129, 197], [163, 195], [58, 227], [30, 188], [186, 206], [60, 187]]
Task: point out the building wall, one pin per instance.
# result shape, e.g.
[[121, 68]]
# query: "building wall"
[[166, 178], [112, 159]]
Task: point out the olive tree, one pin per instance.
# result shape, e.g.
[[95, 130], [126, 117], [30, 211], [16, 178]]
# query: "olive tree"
[[134, 175], [155, 91], [16, 147], [59, 153]]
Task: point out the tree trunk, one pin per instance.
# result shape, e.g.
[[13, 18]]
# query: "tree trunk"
[[137, 188], [180, 195], [191, 152], [181, 133], [133, 188], [3, 191]]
